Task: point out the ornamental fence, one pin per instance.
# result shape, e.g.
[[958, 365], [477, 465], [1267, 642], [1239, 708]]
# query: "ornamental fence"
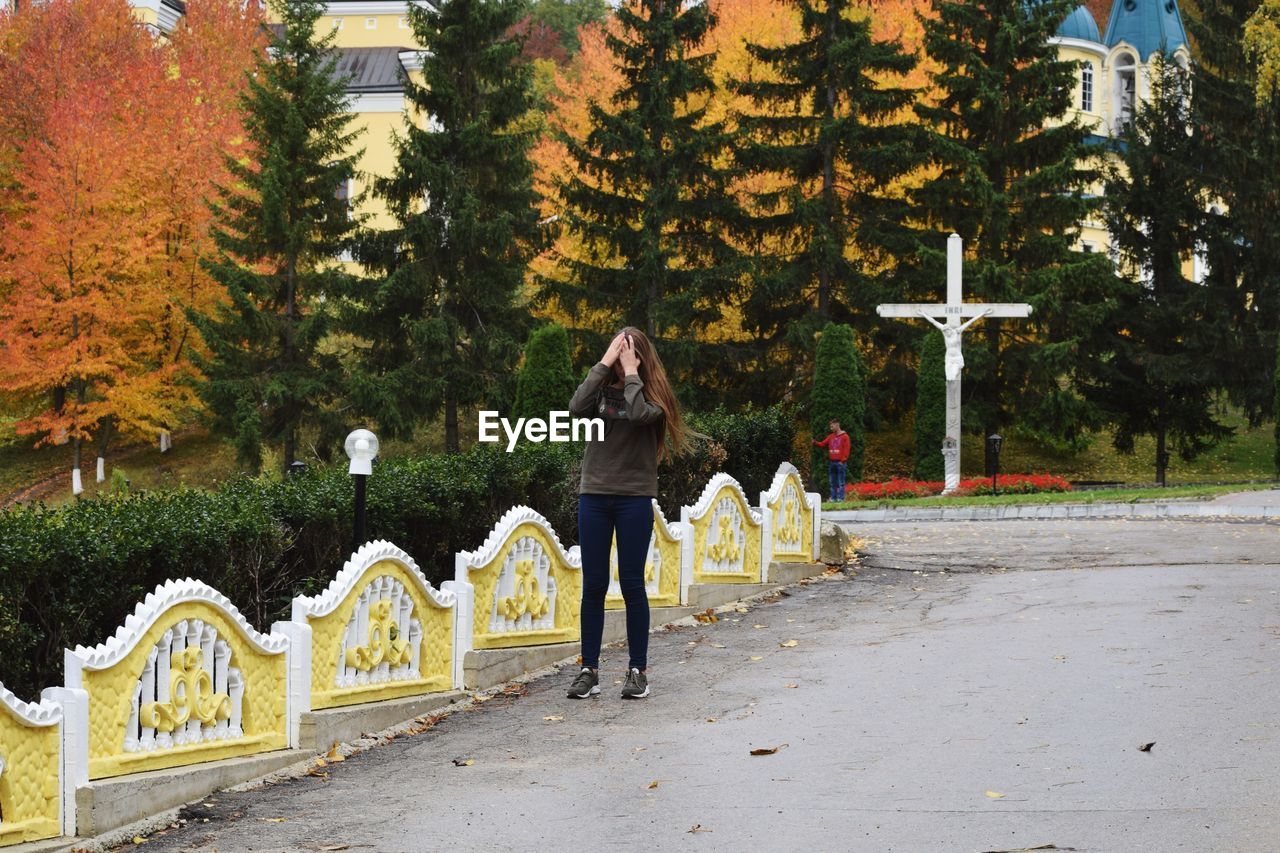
[[187, 680]]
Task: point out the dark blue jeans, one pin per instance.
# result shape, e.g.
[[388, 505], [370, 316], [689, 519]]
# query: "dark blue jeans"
[[599, 518], [835, 476]]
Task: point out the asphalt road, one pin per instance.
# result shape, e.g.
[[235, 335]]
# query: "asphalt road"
[[975, 687]]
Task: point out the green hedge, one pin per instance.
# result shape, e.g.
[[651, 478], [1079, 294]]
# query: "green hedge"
[[70, 575]]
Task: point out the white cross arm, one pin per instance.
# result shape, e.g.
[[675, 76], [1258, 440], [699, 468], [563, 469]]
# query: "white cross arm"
[[964, 309]]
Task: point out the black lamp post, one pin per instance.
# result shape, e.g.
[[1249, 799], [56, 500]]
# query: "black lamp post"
[[993, 454], [362, 447]]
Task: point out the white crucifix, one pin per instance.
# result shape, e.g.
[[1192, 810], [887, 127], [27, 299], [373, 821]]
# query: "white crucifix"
[[952, 328]]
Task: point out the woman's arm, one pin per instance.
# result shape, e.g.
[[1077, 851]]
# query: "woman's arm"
[[639, 410], [584, 398]]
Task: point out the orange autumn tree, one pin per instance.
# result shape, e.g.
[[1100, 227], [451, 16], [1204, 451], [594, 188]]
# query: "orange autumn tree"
[[111, 143], [195, 125]]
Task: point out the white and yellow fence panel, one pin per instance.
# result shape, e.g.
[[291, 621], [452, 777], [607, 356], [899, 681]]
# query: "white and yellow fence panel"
[[379, 631], [520, 588], [726, 545], [185, 680], [665, 570], [31, 772], [791, 518]]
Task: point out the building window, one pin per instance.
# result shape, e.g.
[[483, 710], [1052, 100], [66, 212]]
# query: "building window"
[[1086, 89], [404, 23], [1086, 247], [342, 192], [1126, 91], [370, 23], [337, 23]]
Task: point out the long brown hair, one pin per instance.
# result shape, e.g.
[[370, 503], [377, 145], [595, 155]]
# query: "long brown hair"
[[674, 435]]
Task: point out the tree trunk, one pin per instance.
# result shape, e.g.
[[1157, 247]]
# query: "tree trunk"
[[1162, 455], [450, 422], [290, 447], [104, 440]]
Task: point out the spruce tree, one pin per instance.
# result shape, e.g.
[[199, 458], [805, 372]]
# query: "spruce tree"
[[931, 407], [1157, 364], [1241, 146], [649, 200], [823, 127], [839, 393], [444, 319], [279, 229], [1012, 175], [546, 378]]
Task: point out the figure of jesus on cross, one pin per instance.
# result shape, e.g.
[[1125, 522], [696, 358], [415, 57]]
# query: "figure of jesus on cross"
[[952, 312]]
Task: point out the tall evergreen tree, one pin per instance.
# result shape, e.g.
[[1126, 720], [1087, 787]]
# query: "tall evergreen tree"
[[823, 126], [1012, 179], [278, 230], [649, 200], [445, 322], [931, 407], [546, 378], [1159, 361], [1240, 129], [839, 393]]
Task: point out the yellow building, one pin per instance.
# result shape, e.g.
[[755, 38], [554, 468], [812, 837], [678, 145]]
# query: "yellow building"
[[1114, 75]]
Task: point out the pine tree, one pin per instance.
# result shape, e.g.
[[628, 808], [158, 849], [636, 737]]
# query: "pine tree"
[[648, 199], [444, 323], [1011, 180], [1241, 133], [279, 229], [824, 127], [1158, 363], [931, 408], [546, 379], [839, 394]]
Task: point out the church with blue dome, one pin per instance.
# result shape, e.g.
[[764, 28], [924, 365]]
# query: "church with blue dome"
[[1113, 71], [1115, 66]]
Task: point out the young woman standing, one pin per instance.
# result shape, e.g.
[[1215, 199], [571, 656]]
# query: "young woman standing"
[[628, 388]]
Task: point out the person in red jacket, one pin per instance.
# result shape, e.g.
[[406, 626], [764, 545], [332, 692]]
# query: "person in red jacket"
[[837, 445]]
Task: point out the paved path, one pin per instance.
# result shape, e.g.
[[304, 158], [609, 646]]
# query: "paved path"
[[997, 706], [1260, 497]]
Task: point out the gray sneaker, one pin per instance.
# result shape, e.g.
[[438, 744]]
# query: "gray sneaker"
[[636, 686], [586, 684]]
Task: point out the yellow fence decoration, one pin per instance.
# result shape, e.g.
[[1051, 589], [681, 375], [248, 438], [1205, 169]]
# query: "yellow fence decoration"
[[185, 680], [662, 566], [379, 631], [520, 588], [727, 534], [790, 528], [30, 769]]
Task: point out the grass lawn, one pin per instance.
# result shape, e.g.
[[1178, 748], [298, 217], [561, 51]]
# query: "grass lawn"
[[1085, 497], [1248, 455]]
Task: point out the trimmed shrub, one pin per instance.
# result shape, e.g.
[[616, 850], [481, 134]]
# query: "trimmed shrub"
[[931, 407], [546, 381], [1276, 409], [839, 393]]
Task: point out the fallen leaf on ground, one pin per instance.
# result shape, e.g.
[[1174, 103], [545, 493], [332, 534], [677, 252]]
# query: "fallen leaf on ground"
[[1146, 747], [554, 718], [791, 686], [481, 698], [138, 839], [272, 819], [711, 719], [767, 750], [334, 755], [653, 784], [331, 847], [759, 626], [463, 762], [319, 774], [995, 795], [755, 658], [718, 645], [697, 827], [789, 644], [742, 610]]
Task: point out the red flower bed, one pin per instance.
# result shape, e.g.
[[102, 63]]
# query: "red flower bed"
[[898, 488]]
